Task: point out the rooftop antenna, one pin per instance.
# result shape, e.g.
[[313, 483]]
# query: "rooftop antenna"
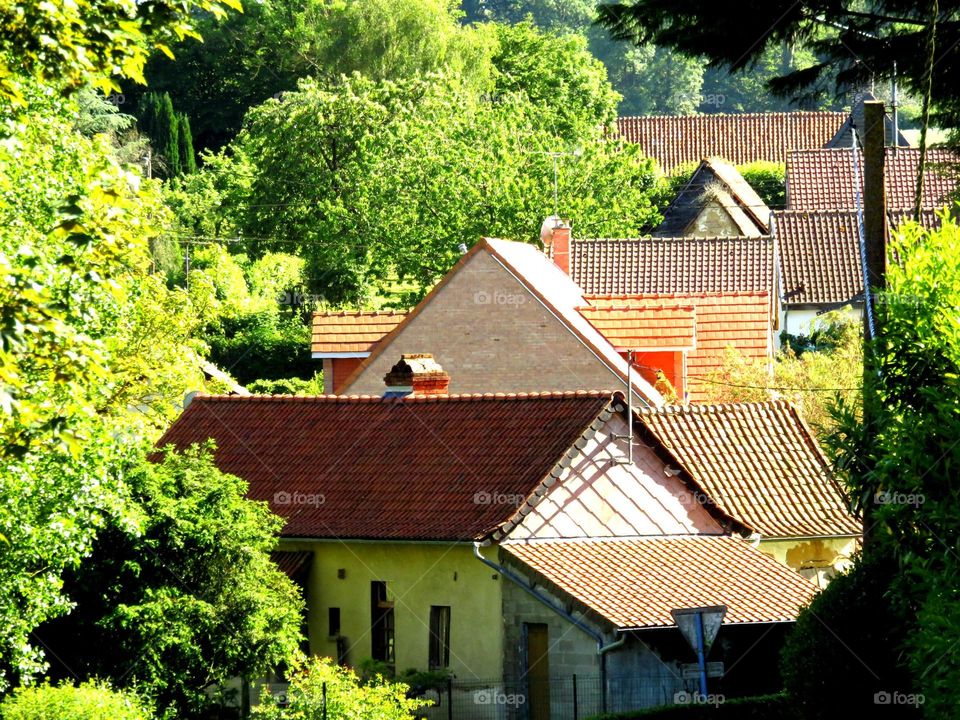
[[556, 155]]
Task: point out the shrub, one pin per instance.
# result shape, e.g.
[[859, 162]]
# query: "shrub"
[[92, 700], [288, 386], [844, 649], [346, 696], [768, 180]]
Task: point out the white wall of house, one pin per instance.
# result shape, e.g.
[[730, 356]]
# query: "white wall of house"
[[800, 320]]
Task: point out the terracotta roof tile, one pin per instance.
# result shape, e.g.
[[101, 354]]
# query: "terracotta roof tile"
[[365, 467], [353, 332], [677, 139], [631, 325], [823, 179], [722, 320], [759, 463], [635, 583], [672, 265], [819, 254]]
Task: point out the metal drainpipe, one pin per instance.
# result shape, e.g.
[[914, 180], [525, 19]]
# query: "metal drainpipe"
[[602, 649]]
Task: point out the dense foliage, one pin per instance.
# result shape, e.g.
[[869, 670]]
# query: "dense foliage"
[[366, 179], [845, 647], [91, 700], [169, 134], [320, 689], [95, 353], [68, 45], [812, 372], [182, 594], [901, 462], [854, 44]]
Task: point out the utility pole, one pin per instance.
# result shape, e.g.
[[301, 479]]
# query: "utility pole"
[[874, 199], [875, 269]]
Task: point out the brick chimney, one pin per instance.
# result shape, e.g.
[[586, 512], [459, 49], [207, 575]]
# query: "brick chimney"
[[555, 236], [418, 375]]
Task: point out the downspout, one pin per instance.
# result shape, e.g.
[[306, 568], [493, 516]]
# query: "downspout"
[[602, 649]]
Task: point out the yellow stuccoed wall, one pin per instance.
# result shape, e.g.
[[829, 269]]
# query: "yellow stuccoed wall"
[[817, 559], [418, 575]]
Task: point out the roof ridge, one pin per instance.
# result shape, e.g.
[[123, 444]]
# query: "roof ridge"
[[702, 293], [358, 313], [457, 397], [717, 408], [710, 116], [676, 239], [600, 539]]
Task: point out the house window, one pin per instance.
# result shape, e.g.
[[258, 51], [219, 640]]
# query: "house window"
[[381, 623], [333, 621], [439, 637]]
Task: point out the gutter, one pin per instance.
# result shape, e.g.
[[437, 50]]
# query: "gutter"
[[602, 647]]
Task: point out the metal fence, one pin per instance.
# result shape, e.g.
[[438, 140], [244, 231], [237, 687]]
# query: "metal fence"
[[572, 697]]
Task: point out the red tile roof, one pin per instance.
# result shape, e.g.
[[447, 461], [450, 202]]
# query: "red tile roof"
[[351, 332], [355, 467], [635, 583], [819, 254], [760, 464], [677, 139], [823, 179], [672, 265], [819, 257], [631, 325]]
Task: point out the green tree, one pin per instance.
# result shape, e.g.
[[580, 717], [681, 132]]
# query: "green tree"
[[185, 153], [184, 597], [249, 58], [898, 458], [409, 170], [902, 464], [69, 45], [160, 123], [652, 80], [852, 43], [556, 73], [84, 358]]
